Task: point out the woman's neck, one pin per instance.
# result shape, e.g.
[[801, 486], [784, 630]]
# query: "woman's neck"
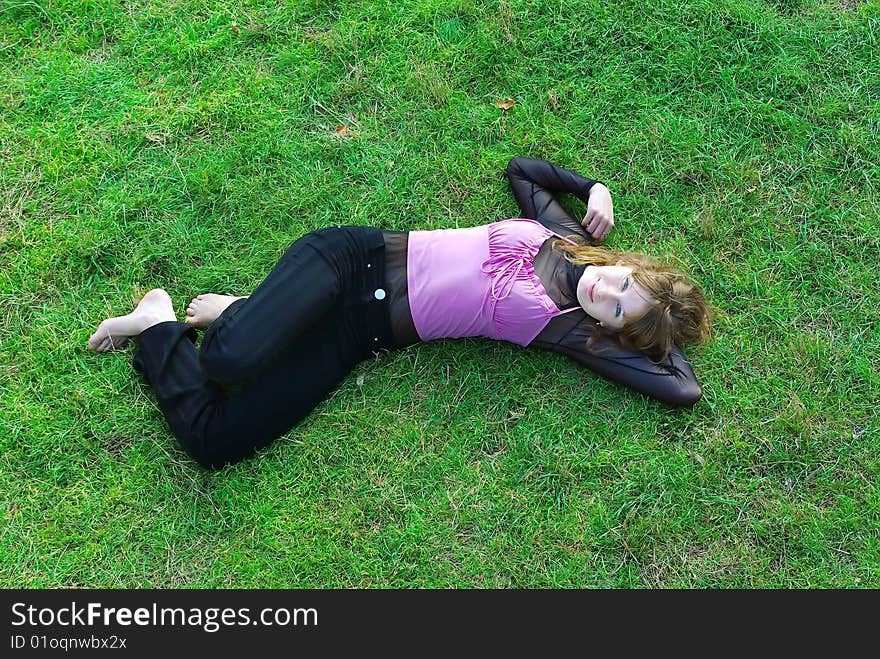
[[574, 274]]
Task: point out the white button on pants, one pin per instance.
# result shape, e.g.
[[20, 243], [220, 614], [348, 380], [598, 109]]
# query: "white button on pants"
[[379, 294]]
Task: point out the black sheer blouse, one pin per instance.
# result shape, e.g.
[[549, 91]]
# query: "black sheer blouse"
[[534, 183]]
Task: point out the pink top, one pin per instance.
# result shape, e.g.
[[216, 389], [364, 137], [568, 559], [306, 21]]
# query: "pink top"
[[479, 282]]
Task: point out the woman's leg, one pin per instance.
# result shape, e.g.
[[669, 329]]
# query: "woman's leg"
[[217, 429], [314, 275], [306, 361], [294, 375]]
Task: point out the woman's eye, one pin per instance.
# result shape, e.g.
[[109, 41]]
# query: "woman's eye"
[[626, 283], [617, 312]]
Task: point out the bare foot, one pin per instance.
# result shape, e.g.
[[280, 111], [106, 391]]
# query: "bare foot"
[[204, 309], [155, 307]]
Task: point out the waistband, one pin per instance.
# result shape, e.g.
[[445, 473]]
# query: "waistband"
[[368, 297]]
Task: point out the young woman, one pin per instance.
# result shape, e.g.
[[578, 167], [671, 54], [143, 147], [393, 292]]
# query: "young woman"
[[342, 294]]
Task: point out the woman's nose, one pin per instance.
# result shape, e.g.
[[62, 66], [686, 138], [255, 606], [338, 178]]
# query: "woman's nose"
[[608, 291]]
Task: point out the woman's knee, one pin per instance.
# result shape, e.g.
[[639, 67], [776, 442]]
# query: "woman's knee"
[[514, 167], [213, 447]]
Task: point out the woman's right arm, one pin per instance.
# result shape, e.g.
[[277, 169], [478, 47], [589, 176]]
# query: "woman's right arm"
[[534, 181]]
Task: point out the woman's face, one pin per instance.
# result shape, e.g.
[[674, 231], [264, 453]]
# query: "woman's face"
[[609, 294]]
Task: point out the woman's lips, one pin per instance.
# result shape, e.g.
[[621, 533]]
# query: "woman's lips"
[[591, 290]]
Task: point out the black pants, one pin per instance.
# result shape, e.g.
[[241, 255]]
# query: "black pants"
[[320, 312]]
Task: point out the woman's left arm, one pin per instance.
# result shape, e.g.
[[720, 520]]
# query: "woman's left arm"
[[672, 381]]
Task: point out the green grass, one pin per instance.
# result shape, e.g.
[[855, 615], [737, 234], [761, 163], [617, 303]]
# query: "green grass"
[[185, 144]]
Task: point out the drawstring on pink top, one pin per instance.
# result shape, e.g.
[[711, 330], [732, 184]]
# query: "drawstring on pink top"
[[505, 269]]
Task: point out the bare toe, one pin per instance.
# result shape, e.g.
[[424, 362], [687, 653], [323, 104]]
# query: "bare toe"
[[204, 309], [109, 343], [113, 333]]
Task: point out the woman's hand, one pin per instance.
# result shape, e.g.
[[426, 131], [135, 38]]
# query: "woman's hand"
[[599, 219]]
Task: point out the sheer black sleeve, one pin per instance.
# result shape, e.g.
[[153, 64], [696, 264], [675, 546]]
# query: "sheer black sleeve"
[[533, 183], [671, 381]]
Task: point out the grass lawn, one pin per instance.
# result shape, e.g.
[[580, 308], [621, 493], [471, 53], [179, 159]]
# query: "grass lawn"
[[184, 144]]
